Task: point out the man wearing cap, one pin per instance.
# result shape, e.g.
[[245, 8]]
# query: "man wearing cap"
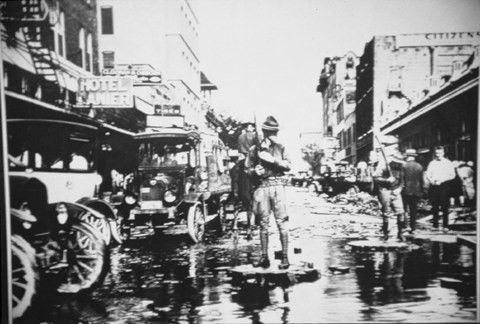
[[267, 162], [389, 180], [440, 172], [413, 190]]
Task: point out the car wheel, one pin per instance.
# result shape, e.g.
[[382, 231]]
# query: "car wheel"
[[101, 224], [24, 277], [84, 261], [313, 189], [196, 223]]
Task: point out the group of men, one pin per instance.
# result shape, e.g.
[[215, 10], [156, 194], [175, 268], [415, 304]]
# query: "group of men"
[[401, 183], [259, 185]]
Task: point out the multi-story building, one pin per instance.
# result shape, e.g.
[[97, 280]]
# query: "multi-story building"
[[337, 84], [171, 48], [447, 116], [396, 74], [47, 46]]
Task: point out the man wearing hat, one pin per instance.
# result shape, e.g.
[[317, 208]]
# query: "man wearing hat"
[[267, 162], [413, 190], [388, 176]]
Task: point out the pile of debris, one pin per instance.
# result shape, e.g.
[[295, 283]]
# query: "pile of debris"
[[356, 203]]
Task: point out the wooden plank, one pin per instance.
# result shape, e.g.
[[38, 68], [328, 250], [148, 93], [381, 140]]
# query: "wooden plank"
[[302, 272]]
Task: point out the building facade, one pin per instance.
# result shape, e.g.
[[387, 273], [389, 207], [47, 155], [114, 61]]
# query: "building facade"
[[171, 49], [338, 86], [397, 73]]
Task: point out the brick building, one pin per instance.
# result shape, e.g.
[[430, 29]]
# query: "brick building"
[[398, 74]]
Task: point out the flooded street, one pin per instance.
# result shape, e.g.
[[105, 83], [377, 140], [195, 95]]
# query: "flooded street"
[[167, 280]]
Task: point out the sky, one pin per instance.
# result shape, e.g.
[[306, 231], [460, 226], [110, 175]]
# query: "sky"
[[265, 56]]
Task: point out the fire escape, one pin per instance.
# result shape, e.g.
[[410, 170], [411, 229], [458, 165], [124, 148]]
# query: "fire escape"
[[32, 18]]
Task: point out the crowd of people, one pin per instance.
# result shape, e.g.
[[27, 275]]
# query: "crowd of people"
[[400, 182]]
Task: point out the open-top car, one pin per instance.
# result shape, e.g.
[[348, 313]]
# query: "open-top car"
[[179, 180]]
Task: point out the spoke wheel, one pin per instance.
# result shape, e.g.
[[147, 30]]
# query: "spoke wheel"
[[196, 223], [101, 224], [86, 259], [24, 279]]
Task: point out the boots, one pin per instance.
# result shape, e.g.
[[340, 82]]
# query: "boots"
[[400, 225], [284, 241], [264, 262], [385, 227]]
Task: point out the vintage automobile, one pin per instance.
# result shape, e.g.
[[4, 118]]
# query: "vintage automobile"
[[338, 179], [179, 180], [64, 155], [50, 243], [301, 179]]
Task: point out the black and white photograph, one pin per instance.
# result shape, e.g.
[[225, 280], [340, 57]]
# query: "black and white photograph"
[[239, 161]]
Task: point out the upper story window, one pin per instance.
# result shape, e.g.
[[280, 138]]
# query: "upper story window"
[[88, 53], [108, 59], [107, 20], [81, 46], [59, 34]]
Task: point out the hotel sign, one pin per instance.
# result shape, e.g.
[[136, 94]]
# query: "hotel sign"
[[105, 92], [143, 74], [439, 39]]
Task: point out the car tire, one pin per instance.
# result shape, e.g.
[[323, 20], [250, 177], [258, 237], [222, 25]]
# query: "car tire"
[[196, 223]]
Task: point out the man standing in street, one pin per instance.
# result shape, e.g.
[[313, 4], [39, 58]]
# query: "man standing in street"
[[440, 172], [413, 190], [268, 161], [388, 175]]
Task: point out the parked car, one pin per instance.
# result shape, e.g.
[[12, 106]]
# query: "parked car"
[[176, 182], [301, 179], [50, 243]]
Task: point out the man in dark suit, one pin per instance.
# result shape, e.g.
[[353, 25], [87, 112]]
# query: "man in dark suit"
[[413, 190]]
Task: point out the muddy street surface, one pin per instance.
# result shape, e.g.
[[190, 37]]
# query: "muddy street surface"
[[168, 280]]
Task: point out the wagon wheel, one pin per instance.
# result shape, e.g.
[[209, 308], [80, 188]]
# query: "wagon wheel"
[[24, 280], [196, 223], [86, 259], [100, 223]]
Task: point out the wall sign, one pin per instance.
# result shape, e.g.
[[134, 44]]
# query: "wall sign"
[[105, 92]]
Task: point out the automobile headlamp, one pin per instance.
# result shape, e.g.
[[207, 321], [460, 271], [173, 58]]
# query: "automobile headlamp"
[[153, 182], [62, 213], [169, 196], [129, 200]]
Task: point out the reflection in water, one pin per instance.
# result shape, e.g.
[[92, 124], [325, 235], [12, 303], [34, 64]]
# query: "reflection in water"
[[170, 281]]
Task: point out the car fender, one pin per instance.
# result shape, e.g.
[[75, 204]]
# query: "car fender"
[[99, 205]]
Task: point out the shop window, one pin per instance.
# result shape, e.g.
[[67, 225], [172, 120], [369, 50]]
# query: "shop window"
[[107, 20]]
